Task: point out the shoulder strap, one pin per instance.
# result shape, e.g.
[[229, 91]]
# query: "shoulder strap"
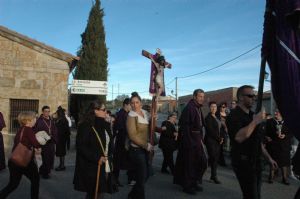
[[99, 140], [21, 136]]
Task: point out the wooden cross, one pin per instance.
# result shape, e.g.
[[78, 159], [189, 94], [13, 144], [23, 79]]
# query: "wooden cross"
[[154, 88]]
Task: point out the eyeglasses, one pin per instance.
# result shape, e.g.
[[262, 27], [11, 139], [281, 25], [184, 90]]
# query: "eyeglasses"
[[250, 95]]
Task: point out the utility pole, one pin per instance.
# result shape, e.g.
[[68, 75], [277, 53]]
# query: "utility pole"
[[118, 89], [112, 95], [176, 94]]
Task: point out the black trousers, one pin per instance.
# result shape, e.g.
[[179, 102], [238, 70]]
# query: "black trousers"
[[138, 157], [213, 162], [16, 173], [168, 160], [297, 196], [249, 179]]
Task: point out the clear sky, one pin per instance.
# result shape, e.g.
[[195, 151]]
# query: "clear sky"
[[194, 35]]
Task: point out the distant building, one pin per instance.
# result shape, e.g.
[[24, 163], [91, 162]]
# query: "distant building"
[[32, 74], [167, 104], [222, 95]]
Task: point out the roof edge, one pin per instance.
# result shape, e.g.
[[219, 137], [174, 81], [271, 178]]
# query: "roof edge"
[[36, 45]]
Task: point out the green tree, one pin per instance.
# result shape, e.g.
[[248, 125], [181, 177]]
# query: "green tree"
[[93, 56]]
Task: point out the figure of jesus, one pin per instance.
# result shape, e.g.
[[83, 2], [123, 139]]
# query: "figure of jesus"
[[158, 60]]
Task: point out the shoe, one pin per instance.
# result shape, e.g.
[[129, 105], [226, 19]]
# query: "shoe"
[[189, 191], [119, 184], [165, 171], [285, 182], [45, 176], [132, 183], [60, 168], [215, 180], [198, 188]]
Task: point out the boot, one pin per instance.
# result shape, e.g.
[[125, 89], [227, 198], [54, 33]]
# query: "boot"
[[61, 166], [284, 171], [271, 176]]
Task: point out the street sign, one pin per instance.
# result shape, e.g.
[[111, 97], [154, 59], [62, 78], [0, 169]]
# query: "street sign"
[[89, 83], [89, 87], [88, 91]]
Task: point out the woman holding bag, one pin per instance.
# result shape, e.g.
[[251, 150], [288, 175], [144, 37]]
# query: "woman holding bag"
[[25, 136], [93, 147]]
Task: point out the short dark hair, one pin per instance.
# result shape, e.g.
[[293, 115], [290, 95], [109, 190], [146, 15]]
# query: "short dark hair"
[[241, 89], [45, 107], [171, 115], [212, 102], [126, 101], [135, 94], [197, 91]]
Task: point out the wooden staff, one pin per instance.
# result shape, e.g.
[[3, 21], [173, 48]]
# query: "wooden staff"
[[261, 85], [98, 177], [153, 119]]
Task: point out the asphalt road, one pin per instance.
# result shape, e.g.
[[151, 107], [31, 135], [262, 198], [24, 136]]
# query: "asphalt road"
[[159, 186]]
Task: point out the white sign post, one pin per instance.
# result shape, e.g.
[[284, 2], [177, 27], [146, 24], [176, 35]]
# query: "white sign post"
[[89, 87]]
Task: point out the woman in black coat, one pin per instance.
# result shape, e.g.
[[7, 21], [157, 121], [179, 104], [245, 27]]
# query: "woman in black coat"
[[63, 133], [167, 142], [89, 151], [213, 140], [280, 145]]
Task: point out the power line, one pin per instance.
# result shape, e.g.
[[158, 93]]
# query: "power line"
[[171, 81], [218, 66]]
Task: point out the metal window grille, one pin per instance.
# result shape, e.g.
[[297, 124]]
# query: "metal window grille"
[[17, 106]]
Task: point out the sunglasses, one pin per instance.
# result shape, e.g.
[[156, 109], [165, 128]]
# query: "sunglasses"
[[250, 95], [101, 109]]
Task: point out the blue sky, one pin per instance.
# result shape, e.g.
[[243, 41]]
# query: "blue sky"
[[194, 35]]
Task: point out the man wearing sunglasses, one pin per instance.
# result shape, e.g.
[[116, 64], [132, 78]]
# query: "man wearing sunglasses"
[[247, 148]]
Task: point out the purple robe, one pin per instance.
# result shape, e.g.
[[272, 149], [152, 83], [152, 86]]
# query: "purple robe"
[[152, 87], [281, 47], [2, 154], [48, 150], [191, 161]]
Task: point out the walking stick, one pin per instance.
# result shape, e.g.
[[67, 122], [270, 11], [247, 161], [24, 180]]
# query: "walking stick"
[[98, 177]]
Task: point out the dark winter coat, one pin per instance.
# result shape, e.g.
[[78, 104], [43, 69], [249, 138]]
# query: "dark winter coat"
[[88, 152]]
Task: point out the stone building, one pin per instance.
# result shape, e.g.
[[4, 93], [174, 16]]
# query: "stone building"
[[32, 75]]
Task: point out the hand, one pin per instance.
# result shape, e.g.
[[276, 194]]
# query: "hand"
[[149, 147], [273, 164], [259, 117], [102, 160], [38, 150], [222, 140], [281, 136], [163, 128], [268, 139]]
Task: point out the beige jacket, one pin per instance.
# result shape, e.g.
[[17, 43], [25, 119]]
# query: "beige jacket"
[[138, 128]]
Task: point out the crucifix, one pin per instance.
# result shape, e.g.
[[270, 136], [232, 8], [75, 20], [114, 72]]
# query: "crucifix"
[[157, 86]]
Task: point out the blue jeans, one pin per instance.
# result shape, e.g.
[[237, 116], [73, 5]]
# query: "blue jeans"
[[139, 160]]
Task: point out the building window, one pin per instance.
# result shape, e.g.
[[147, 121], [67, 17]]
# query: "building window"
[[17, 106]]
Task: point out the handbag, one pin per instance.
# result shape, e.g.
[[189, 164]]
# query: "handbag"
[[21, 155]]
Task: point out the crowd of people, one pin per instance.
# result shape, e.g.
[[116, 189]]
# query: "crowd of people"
[[107, 144]]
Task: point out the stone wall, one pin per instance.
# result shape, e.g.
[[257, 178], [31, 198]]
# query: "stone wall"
[[26, 73]]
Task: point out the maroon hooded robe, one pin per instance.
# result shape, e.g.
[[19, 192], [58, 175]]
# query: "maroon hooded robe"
[[2, 155], [191, 161], [48, 150]]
